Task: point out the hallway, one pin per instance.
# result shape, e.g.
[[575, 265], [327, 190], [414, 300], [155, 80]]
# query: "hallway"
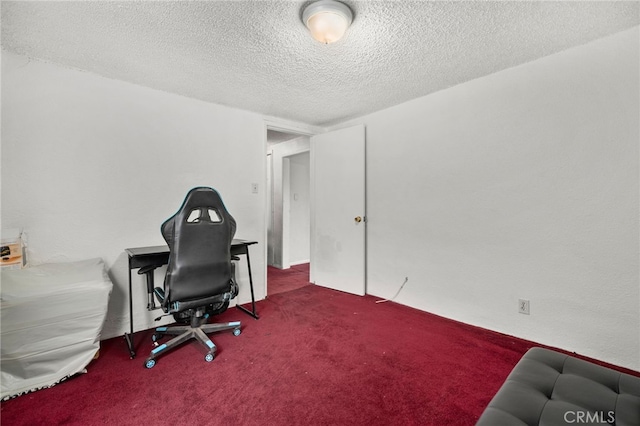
[[283, 280]]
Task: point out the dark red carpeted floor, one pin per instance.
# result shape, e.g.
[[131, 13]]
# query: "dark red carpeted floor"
[[283, 280], [315, 357]]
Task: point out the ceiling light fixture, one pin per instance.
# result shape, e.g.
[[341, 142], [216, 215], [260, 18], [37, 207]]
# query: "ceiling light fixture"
[[327, 20]]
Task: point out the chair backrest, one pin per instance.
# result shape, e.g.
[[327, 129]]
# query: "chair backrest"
[[199, 237]]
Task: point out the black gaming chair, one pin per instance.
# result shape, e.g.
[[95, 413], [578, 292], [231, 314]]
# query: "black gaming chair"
[[200, 275]]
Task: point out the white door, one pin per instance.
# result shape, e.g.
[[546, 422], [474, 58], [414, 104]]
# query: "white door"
[[338, 210]]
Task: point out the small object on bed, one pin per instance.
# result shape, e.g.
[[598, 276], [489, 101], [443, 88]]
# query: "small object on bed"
[[12, 249]]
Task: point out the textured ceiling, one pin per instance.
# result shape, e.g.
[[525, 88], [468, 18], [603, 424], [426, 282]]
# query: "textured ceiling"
[[258, 56]]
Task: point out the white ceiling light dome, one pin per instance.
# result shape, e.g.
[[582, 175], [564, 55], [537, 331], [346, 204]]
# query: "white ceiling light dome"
[[327, 20]]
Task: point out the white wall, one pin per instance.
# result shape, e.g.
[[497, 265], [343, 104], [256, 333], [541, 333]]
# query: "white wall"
[[91, 166], [522, 184], [299, 204]]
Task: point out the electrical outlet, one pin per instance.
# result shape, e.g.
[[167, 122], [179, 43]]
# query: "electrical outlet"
[[254, 188], [523, 306]]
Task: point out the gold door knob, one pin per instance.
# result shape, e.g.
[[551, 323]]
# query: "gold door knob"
[[358, 219]]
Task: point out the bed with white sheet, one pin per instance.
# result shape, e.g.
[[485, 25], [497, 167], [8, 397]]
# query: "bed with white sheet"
[[51, 319]]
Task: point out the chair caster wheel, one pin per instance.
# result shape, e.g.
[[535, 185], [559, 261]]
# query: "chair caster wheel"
[[209, 357], [237, 331], [150, 363]]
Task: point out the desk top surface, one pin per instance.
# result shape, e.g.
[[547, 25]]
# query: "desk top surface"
[[145, 251]]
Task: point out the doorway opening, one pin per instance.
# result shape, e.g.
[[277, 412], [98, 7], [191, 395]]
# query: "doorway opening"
[[288, 209]]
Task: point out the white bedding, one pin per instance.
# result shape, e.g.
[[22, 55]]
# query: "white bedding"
[[51, 319]]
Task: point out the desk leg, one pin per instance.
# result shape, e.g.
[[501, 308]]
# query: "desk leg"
[[129, 337], [251, 312]]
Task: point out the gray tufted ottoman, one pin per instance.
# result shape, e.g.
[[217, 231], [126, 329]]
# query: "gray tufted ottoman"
[[550, 388]]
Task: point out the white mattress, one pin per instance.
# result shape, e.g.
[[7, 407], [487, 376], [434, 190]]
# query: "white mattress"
[[51, 319]]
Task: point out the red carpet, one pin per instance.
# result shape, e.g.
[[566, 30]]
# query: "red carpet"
[[315, 357], [283, 280]]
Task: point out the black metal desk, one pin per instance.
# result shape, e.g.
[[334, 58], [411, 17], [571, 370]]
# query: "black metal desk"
[[159, 255]]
